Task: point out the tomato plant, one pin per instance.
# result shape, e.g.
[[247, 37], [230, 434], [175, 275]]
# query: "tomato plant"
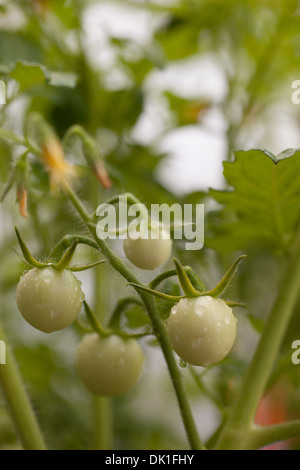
[[144, 106]]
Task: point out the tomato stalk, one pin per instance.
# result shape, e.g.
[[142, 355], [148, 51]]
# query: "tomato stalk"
[[102, 407], [240, 422], [157, 323], [20, 408]]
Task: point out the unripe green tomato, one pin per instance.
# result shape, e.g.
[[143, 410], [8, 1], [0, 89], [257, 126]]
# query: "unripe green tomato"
[[202, 330], [148, 253], [49, 300], [109, 365]]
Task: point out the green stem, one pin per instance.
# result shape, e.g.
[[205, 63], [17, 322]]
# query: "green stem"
[[157, 323], [256, 380], [18, 402], [68, 241], [5, 134], [266, 435], [162, 277], [207, 393], [120, 308], [103, 423]]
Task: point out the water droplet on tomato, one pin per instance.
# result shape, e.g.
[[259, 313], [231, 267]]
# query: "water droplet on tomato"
[[182, 364]]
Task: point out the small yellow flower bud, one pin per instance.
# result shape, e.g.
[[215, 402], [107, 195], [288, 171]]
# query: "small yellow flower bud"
[[61, 171]]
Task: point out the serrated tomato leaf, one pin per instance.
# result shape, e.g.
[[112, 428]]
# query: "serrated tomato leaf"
[[263, 203]]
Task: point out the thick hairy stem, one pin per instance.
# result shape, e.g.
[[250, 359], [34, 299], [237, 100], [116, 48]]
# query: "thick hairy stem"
[[25, 423], [255, 382], [157, 323]]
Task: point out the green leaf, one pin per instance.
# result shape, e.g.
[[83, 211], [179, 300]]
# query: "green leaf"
[[179, 39], [19, 46], [264, 204], [135, 318], [170, 288], [31, 74]]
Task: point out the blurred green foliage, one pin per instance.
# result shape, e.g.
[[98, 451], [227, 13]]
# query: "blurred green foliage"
[[47, 65]]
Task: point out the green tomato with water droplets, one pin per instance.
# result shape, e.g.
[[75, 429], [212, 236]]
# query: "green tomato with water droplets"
[[202, 330], [109, 365], [49, 300]]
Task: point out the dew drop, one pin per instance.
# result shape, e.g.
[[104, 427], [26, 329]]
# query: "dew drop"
[[227, 320], [196, 343], [199, 311], [54, 313], [182, 364]]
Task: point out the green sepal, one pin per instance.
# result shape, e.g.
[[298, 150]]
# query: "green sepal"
[[185, 281], [68, 241], [10, 183], [27, 255], [236, 304], [84, 267], [195, 279], [170, 298], [94, 321], [18, 176], [225, 281], [21, 257], [66, 258]]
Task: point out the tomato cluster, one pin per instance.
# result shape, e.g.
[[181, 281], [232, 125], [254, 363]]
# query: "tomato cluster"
[[201, 328], [51, 300]]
